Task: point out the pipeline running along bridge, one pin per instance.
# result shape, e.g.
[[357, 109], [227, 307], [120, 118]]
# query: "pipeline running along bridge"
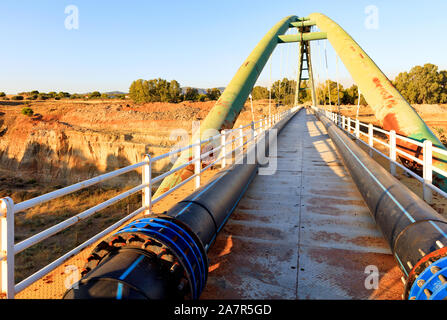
[[311, 220]]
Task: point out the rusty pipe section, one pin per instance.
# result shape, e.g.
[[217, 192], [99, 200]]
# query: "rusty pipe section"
[[415, 232], [390, 108]]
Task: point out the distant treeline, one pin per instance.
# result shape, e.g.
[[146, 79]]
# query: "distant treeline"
[[283, 92], [36, 95], [421, 85], [161, 90]]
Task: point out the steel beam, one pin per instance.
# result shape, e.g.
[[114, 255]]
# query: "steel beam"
[[390, 108], [305, 36], [298, 24], [226, 110]]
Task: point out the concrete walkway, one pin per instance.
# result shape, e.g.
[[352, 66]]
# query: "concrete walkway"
[[303, 232]]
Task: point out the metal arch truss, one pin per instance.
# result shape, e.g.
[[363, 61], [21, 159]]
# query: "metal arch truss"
[[390, 108]]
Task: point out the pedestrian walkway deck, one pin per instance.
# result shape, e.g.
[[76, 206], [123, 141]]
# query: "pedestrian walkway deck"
[[303, 232]]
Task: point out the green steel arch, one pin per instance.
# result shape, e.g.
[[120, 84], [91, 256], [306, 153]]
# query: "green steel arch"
[[390, 108]]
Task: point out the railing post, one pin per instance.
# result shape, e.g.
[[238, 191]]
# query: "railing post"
[[146, 177], [393, 153], [349, 124], [371, 139], [7, 247], [253, 132], [197, 163], [427, 170], [357, 128], [239, 149], [241, 139], [343, 122], [223, 136]]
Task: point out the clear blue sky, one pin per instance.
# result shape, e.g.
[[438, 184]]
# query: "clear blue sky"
[[198, 43]]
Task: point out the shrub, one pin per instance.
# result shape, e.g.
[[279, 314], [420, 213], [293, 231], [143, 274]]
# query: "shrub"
[[94, 94], [27, 111], [2, 94], [17, 98]]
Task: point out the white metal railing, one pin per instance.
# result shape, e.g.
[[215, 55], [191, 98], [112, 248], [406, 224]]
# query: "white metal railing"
[[229, 142], [426, 147]]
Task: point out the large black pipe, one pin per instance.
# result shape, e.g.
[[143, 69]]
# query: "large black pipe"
[[415, 232], [164, 256]]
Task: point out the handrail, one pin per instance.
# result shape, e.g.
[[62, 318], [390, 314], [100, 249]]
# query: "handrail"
[[8, 249], [427, 150]]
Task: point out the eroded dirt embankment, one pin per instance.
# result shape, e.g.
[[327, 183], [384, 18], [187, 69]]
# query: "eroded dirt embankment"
[[66, 141]]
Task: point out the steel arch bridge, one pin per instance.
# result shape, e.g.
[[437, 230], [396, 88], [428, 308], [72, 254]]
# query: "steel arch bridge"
[[389, 106], [329, 195]]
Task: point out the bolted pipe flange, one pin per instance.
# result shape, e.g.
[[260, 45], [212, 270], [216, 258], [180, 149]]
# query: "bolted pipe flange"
[[431, 284], [159, 243], [181, 242]]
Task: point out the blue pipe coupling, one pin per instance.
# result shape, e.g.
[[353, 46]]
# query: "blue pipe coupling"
[[431, 284], [181, 242]]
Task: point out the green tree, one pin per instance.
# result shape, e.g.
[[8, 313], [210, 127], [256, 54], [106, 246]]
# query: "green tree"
[[351, 96], [213, 94], [75, 96], [284, 91], [305, 93], [139, 91], [2, 94], [175, 91], [423, 84], [63, 95], [259, 93], [94, 95], [27, 111], [42, 96], [155, 90], [331, 95], [191, 94]]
